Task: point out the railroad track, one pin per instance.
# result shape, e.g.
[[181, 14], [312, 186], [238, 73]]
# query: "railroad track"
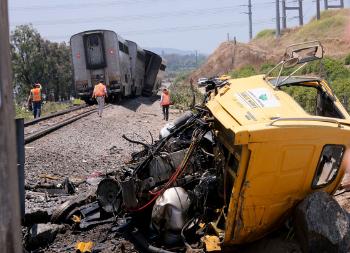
[[52, 115], [45, 125]]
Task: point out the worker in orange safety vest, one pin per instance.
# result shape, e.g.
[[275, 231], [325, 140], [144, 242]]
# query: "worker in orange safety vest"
[[100, 92], [165, 103], [35, 99]]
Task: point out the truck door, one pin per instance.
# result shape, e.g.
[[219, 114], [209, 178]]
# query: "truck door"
[[284, 166]]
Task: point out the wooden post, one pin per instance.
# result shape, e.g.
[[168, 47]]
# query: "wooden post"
[[10, 235]]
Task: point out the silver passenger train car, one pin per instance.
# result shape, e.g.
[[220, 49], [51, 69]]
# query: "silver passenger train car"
[[138, 65], [160, 76], [153, 63], [123, 66]]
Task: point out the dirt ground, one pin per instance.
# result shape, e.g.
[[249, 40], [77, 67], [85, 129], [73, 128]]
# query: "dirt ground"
[[95, 144]]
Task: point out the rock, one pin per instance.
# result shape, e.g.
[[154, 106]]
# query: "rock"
[[321, 225], [41, 235]]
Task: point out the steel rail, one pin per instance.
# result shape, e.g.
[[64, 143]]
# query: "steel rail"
[[52, 115], [41, 133]]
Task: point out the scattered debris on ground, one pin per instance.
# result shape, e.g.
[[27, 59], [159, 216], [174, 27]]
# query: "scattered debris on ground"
[[220, 177]]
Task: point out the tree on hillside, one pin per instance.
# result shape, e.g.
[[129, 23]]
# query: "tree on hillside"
[[27, 58], [37, 60], [58, 70]]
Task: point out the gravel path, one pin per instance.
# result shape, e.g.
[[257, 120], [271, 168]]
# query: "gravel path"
[[89, 145]]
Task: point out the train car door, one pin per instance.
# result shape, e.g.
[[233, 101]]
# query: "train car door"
[[94, 51]]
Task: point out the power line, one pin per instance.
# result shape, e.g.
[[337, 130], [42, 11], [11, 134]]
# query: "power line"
[[179, 28], [87, 5], [132, 17]]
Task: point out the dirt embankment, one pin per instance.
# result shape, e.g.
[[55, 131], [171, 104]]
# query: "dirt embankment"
[[333, 30], [230, 55]]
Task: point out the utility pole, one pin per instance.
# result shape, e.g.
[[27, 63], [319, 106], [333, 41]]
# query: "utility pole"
[[196, 58], [284, 15], [301, 14], [278, 19], [250, 19], [286, 8], [340, 5], [10, 233], [318, 10]]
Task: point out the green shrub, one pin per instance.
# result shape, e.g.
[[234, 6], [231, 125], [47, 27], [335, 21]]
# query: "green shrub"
[[23, 112], [265, 67], [78, 101], [181, 93], [341, 88], [245, 71], [347, 60], [265, 34], [47, 108]]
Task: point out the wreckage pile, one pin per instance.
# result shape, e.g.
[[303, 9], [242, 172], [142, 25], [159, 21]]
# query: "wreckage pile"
[[176, 182], [170, 197]]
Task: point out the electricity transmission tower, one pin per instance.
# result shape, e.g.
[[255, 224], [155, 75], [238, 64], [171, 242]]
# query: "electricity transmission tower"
[[286, 8], [333, 6]]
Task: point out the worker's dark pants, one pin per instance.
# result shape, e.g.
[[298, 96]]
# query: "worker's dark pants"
[[37, 109], [166, 112]]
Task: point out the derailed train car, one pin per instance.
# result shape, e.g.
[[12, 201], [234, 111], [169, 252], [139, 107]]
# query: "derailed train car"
[[153, 64], [160, 76], [121, 65], [138, 66]]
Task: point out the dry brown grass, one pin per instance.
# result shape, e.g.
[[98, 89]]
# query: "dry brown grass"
[[333, 30]]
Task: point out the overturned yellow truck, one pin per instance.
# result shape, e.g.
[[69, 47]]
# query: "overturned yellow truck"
[[233, 169], [277, 151]]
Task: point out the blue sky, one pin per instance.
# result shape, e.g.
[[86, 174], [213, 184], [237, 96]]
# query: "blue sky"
[[183, 24]]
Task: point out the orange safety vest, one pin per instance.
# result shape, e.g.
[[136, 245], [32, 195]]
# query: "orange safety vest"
[[99, 90], [165, 98], [36, 93]]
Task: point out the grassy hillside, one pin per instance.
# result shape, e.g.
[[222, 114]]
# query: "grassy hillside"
[[333, 30]]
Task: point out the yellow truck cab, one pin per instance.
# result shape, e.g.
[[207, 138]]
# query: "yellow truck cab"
[[277, 152]]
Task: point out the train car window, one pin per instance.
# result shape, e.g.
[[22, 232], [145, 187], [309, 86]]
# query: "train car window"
[[121, 46], [328, 165], [141, 56], [93, 41], [124, 48]]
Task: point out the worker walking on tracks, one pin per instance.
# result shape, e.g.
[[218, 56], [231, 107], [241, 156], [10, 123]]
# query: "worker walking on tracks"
[[35, 99], [100, 92], [165, 103]]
